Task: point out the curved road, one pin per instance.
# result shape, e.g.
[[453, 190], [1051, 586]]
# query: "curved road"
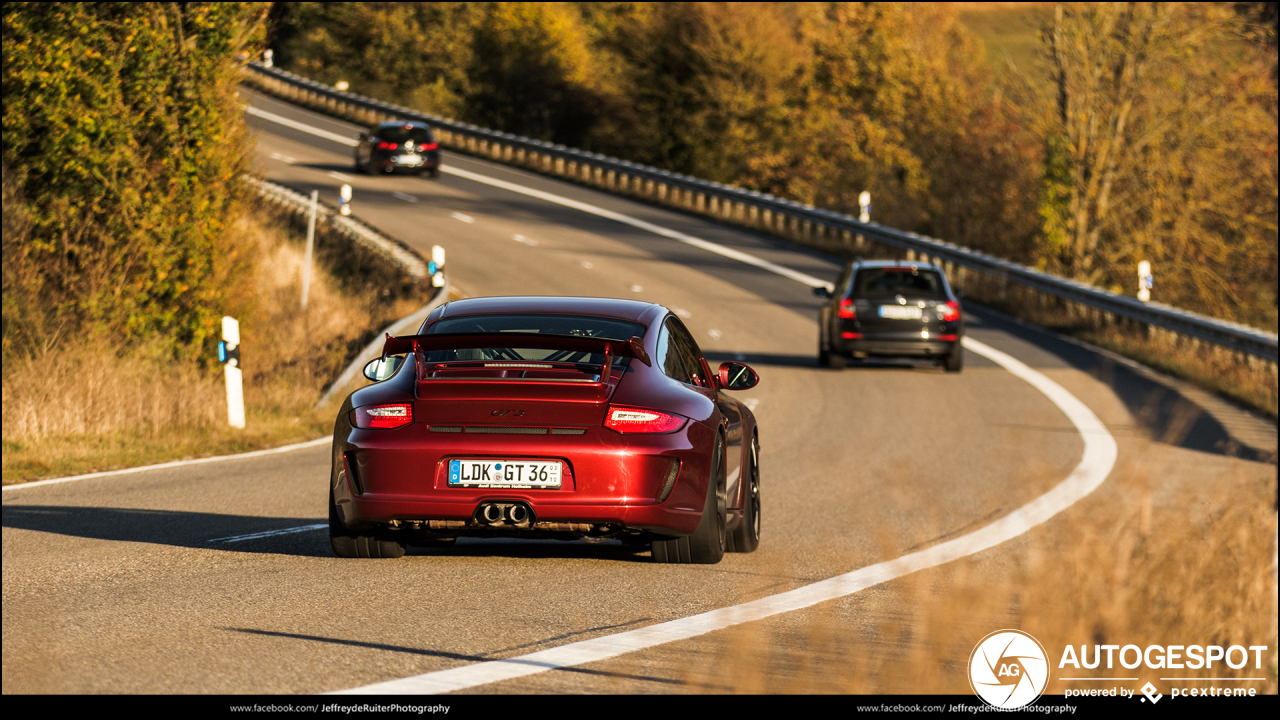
[[147, 583]]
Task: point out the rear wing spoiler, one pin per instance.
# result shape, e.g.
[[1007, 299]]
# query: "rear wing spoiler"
[[633, 348]]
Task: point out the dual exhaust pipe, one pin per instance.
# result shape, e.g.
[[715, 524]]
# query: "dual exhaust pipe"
[[505, 513]]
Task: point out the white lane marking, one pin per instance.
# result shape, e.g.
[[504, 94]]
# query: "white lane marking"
[[636, 288], [284, 158], [404, 197], [715, 334], [525, 240], [751, 403], [175, 463], [587, 265], [1098, 459], [270, 533], [682, 313], [310, 130], [340, 176], [464, 218], [637, 223], [738, 255]]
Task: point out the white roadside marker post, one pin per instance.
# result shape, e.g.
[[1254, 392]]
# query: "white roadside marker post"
[[344, 205], [268, 58], [437, 266], [229, 353], [1145, 281], [311, 235]]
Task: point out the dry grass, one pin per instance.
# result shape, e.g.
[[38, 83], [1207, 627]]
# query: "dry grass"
[[85, 405], [1131, 566]]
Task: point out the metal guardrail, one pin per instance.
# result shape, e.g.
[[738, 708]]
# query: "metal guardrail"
[[413, 265], [760, 210]]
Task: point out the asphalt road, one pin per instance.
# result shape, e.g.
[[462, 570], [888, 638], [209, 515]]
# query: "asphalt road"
[[129, 583]]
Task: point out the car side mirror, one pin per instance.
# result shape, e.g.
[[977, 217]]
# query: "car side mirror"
[[738, 376], [378, 369], [822, 291]]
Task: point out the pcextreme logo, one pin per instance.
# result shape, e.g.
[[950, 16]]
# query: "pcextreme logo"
[[1008, 669]]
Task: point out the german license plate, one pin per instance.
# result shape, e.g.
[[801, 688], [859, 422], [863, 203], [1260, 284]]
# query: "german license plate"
[[487, 473], [410, 159], [900, 312]]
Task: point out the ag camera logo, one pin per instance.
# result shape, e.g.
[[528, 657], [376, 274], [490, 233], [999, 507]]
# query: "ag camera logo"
[[1008, 669]]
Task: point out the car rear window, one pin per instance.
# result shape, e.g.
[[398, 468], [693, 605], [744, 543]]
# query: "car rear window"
[[400, 134], [579, 325], [873, 282]]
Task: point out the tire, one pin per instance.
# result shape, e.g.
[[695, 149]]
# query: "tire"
[[746, 538], [955, 361], [350, 545], [706, 545], [433, 173]]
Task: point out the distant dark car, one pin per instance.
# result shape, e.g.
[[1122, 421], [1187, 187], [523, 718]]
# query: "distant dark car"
[[569, 418], [890, 309], [393, 146]]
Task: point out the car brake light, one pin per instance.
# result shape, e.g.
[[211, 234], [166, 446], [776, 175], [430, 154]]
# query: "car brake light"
[[950, 311], [846, 309], [384, 145], [851, 335], [641, 420], [384, 416], [430, 146]]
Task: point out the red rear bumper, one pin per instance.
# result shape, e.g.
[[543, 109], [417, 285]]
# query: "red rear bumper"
[[607, 478]]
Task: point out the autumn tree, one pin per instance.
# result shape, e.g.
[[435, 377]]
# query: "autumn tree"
[[1161, 146], [123, 146]]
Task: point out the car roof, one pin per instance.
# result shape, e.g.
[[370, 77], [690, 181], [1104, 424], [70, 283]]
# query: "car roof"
[[896, 263], [633, 310], [403, 123]]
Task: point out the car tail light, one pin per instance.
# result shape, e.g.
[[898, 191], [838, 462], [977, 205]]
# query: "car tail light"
[[846, 309], [384, 145], [641, 420], [945, 338], [384, 416], [950, 311], [430, 146], [851, 336]]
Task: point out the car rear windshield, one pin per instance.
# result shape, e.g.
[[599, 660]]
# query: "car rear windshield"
[[874, 282], [400, 134], [577, 325]]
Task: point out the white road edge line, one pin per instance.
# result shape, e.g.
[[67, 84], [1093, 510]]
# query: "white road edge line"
[[1095, 465], [175, 463], [309, 129], [270, 533], [738, 255]]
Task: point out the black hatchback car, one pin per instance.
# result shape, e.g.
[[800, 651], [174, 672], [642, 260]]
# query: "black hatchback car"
[[393, 146], [890, 309]]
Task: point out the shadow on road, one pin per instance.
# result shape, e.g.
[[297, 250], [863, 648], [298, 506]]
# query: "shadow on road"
[[497, 654], [302, 537]]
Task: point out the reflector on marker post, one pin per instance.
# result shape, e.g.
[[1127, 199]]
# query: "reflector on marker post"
[[229, 353], [436, 268]]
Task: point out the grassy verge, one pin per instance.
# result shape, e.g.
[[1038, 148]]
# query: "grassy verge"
[[84, 405]]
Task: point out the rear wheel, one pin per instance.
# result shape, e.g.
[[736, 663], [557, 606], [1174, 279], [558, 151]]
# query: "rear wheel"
[[352, 545], [955, 360], [747, 537], [707, 544]]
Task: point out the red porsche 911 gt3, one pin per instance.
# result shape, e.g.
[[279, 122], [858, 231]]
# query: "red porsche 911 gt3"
[[548, 417]]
